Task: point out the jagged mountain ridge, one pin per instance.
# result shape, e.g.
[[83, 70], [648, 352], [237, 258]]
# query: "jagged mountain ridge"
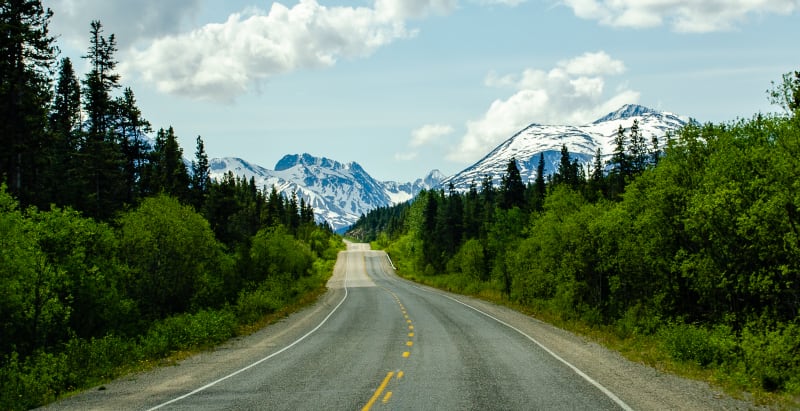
[[581, 141], [339, 192]]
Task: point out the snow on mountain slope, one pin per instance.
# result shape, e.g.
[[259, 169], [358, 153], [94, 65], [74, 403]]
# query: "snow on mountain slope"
[[581, 141], [339, 193]]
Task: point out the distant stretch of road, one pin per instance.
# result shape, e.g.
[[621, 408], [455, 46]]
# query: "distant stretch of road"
[[375, 342]]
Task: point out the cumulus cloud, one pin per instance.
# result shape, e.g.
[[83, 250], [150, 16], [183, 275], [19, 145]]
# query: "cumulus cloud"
[[429, 133], [682, 15], [222, 61], [130, 21], [573, 92], [423, 136]]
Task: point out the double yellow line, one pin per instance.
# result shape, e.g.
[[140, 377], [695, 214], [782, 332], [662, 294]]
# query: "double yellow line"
[[380, 390]]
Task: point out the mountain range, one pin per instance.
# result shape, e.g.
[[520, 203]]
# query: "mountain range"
[[582, 142], [341, 192]]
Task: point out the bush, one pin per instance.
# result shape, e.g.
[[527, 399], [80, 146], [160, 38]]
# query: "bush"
[[186, 331], [772, 356], [690, 343], [253, 305]]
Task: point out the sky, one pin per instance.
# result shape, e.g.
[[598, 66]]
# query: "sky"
[[403, 87]]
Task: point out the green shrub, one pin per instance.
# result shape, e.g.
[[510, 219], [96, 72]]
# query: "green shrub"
[[772, 356], [690, 343], [31, 382], [186, 331], [253, 305]]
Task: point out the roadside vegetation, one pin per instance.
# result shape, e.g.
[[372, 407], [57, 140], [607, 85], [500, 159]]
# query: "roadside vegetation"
[[114, 254], [686, 258]]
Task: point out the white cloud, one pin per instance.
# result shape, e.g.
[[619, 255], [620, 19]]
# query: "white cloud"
[[130, 21], [423, 136], [682, 15], [403, 9], [571, 93], [429, 133], [223, 61]]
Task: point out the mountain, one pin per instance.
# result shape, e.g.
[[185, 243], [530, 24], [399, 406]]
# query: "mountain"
[[339, 193], [581, 141]]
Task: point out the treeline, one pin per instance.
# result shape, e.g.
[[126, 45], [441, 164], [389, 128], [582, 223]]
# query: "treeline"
[[697, 245], [114, 251]]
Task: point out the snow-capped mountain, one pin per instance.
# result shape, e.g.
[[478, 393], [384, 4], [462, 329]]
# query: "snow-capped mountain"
[[339, 193], [582, 143]]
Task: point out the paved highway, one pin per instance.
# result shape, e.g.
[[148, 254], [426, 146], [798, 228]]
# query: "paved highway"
[[391, 345]]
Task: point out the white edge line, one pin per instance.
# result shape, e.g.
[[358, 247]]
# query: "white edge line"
[[213, 383], [589, 379]]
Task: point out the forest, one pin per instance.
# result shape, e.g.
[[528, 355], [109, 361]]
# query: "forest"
[[115, 252], [695, 245]]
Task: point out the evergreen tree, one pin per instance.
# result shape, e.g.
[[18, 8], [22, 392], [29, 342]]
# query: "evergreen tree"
[[104, 161], [597, 176], [568, 170], [655, 155], [200, 174], [620, 165], [512, 188], [27, 55], [100, 81], [170, 172], [541, 188], [131, 128], [638, 152], [65, 123], [472, 212], [65, 114]]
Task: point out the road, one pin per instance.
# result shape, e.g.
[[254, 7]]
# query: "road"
[[377, 342]]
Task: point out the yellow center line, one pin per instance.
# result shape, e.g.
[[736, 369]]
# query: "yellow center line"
[[410, 334], [406, 354], [387, 397], [410, 343], [400, 375], [410, 327], [378, 392]]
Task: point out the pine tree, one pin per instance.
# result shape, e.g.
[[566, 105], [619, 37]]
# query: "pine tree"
[[638, 150], [27, 57], [65, 123], [512, 188], [620, 165], [170, 172], [200, 174], [131, 128], [104, 161]]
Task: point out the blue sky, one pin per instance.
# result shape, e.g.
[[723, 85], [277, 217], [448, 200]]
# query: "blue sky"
[[406, 86]]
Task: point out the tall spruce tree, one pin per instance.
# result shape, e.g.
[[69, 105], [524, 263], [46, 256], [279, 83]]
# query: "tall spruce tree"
[[65, 123], [103, 159], [131, 127], [27, 57], [620, 165], [170, 174], [512, 188], [200, 174]]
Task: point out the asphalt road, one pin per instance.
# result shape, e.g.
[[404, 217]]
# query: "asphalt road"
[[375, 341]]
